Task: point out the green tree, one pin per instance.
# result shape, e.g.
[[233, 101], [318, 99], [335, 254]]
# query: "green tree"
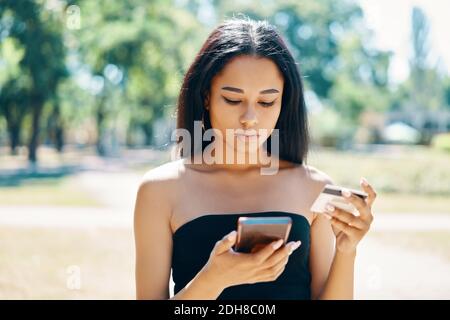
[[13, 89], [39, 33], [146, 43], [424, 89]]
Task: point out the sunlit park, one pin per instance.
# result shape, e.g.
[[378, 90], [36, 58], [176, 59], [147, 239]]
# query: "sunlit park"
[[88, 96]]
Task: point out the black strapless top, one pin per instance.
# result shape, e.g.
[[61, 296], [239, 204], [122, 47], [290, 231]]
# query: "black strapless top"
[[194, 241]]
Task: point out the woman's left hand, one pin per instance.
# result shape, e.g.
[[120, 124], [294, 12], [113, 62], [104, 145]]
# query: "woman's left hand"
[[348, 228]]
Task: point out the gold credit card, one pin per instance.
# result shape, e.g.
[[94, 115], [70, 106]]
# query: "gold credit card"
[[333, 194]]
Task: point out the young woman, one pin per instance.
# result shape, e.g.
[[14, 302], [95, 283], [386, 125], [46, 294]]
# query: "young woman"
[[244, 79]]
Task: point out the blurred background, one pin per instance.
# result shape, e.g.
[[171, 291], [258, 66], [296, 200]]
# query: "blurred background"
[[87, 103]]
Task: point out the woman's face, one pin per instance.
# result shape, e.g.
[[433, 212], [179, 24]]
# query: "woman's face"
[[246, 95]]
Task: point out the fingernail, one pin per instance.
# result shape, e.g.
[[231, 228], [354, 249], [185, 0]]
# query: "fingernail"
[[294, 246], [330, 207], [231, 235], [277, 244], [364, 181], [327, 216], [346, 193]]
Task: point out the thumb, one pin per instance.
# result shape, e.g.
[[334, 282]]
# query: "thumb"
[[225, 244]]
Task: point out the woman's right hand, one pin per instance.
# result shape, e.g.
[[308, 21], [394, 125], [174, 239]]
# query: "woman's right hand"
[[227, 267]]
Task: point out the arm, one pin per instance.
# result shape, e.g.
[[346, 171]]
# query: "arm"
[[153, 245], [153, 242], [200, 288], [332, 271], [340, 281], [345, 231]]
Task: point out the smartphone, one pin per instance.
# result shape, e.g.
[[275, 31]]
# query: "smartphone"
[[253, 233], [333, 194]]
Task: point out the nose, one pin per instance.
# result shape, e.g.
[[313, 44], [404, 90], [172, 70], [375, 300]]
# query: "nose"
[[248, 119]]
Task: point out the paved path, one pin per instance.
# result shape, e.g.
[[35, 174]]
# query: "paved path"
[[123, 216], [64, 217], [385, 271]]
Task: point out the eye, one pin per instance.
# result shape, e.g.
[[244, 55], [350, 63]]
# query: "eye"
[[233, 102], [267, 104]]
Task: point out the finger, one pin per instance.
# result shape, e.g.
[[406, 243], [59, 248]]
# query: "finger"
[[260, 256], [225, 244], [282, 253], [346, 217], [344, 227], [357, 202], [329, 217], [369, 190]]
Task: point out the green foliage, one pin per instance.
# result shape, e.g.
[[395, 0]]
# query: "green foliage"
[[441, 142], [119, 73], [33, 75], [148, 42], [328, 128]]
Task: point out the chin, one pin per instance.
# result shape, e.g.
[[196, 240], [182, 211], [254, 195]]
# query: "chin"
[[247, 149]]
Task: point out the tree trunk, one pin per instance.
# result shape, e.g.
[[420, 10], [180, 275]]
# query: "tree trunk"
[[148, 132], [14, 125], [59, 138], [100, 117], [35, 130], [14, 137], [130, 141], [58, 129]]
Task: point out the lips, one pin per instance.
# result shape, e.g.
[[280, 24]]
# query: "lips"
[[246, 137], [249, 134]]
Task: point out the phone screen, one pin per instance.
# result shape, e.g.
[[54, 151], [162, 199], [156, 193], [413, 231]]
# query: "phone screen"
[[256, 232]]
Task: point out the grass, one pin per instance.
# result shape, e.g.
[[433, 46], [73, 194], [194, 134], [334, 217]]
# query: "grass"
[[39, 263], [412, 170], [410, 203], [432, 242], [48, 192], [407, 179]]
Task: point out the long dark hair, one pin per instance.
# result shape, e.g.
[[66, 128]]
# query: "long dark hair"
[[243, 36]]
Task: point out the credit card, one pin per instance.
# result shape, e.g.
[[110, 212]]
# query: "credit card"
[[333, 194]]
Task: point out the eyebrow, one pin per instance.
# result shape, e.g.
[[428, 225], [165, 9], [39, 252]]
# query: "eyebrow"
[[266, 91]]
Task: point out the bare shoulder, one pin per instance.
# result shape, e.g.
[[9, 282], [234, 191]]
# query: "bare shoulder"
[[159, 184], [166, 172], [316, 176], [308, 177]]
